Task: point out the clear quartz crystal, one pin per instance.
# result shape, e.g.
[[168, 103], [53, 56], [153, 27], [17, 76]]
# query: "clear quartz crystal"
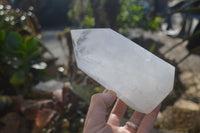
[[140, 79]]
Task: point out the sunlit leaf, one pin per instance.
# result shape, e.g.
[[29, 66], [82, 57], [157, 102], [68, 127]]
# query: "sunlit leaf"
[[89, 21], [97, 89], [18, 78]]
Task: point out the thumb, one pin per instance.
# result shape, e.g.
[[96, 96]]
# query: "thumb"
[[96, 116]]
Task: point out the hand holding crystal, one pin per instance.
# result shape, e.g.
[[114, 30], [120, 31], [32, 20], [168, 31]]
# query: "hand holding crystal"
[[96, 117]]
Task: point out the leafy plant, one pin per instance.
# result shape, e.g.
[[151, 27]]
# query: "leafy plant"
[[134, 15], [81, 14], [17, 56], [24, 23], [19, 50]]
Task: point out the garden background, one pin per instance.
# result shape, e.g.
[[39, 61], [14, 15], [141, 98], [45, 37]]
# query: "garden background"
[[42, 90]]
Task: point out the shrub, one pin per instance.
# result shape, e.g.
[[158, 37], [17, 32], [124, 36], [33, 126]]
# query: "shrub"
[[135, 15], [19, 50]]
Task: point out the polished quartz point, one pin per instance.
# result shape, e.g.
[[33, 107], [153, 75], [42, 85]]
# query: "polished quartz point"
[[140, 79]]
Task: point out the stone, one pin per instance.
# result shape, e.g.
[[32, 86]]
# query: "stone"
[[49, 86], [184, 115], [45, 90], [187, 105], [139, 78]]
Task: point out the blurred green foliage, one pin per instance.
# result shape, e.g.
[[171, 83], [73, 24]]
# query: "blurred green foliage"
[[19, 50], [129, 15], [133, 15], [81, 14], [152, 48]]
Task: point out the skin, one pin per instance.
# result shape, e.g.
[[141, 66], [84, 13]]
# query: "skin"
[[96, 118]]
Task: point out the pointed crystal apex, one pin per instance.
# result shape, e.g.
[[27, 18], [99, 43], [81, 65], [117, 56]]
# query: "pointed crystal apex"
[[139, 78], [77, 34]]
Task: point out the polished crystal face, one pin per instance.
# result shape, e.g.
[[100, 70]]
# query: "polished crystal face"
[[140, 79]]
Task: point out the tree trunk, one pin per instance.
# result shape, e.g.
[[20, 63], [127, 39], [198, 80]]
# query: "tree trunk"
[[112, 8], [99, 14]]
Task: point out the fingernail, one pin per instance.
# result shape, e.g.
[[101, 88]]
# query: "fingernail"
[[110, 92]]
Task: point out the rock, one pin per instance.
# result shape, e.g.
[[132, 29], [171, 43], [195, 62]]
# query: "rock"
[[187, 105], [30, 107], [49, 86], [184, 116], [191, 81], [187, 78], [45, 90], [13, 123]]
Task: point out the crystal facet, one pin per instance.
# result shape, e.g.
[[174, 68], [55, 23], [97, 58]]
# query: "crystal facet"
[[140, 79]]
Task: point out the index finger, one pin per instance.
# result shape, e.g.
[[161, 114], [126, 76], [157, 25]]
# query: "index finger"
[[98, 109]]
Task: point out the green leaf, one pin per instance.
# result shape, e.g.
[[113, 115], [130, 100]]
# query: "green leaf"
[[153, 46], [32, 48], [98, 89], [19, 53], [35, 54], [2, 36], [31, 44], [89, 21], [18, 78], [13, 41]]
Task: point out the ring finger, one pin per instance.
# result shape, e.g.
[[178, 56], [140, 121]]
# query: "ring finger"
[[136, 119]]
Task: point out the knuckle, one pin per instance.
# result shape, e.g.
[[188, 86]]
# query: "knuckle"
[[96, 97]]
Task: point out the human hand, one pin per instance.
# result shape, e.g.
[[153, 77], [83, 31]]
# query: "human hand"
[[96, 117]]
